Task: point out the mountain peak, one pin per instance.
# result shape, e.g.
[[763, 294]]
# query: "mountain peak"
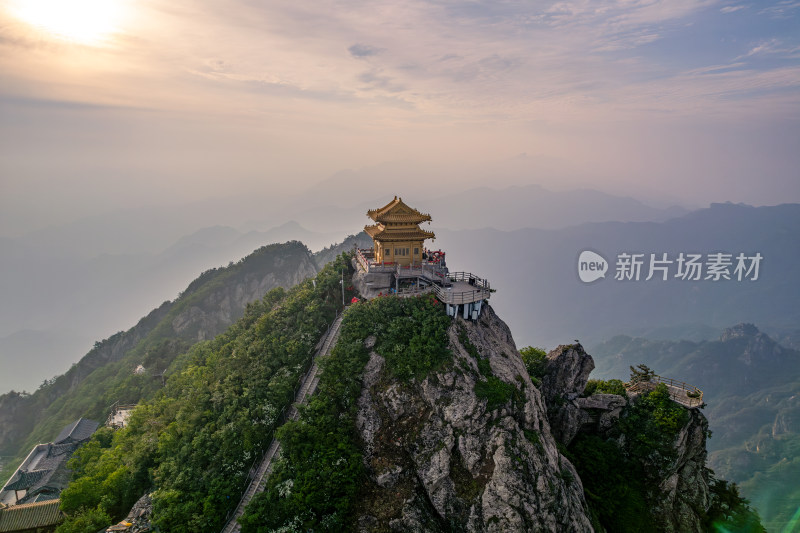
[[759, 348], [739, 331]]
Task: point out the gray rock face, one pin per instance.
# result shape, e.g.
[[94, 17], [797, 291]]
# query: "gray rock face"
[[610, 408], [679, 494], [684, 489], [566, 420], [371, 284], [567, 372], [224, 306], [566, 375], [439, 460], [140, 515]]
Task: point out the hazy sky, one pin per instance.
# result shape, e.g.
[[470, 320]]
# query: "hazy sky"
[[113, 103]]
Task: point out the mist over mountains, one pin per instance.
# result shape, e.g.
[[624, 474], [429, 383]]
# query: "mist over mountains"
[[61, 299], [65, 287], [545, 303], [751, 385]]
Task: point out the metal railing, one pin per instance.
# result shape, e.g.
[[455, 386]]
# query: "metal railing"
[[451, 294], [363, 262], [323, 345], [441, 281], [455, 297], [414, 291], [429, 271], [679, 391], [470, 278], [366, 261]]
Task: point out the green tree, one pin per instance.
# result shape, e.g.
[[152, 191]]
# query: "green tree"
[[315, 483], [86, 521], [535, 361], [650, 426], [729, 511], [613, 485], [642, 373], [599, 386], [194, 442]]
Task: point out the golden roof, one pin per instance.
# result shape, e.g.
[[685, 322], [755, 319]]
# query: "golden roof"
[[382, 233], [396, 212], [30, 516]]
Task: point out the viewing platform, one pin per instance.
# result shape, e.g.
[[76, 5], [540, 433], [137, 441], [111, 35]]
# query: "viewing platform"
[[462, 292], [687, 395]]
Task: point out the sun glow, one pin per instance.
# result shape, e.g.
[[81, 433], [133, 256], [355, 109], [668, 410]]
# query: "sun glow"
[[90, 22]]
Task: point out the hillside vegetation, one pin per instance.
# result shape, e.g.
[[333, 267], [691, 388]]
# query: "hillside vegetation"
[[752, 389], [210, 304], [195, 441], [315, 483]]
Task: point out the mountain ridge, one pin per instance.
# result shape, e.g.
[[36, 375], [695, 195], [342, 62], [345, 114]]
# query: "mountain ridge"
[[208, 305], [750, 384]]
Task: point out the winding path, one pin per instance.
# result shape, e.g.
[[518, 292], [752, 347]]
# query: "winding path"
[[307, 387]]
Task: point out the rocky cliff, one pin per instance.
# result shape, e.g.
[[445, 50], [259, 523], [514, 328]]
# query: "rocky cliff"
[[442, 454], [220, 307], [208, 306], [676, 480], [476, 446]]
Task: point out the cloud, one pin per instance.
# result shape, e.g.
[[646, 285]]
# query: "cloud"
[[375, 79], [363, 50], [562, 60], [783, 9], [487, 75], [764, 47], [771, 47], [733, 9], [627, 41]]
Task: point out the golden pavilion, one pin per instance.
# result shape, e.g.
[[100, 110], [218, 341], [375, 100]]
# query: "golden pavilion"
[[396, 234]]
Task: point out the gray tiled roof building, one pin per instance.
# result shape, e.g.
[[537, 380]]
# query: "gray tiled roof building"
[[44, 474]]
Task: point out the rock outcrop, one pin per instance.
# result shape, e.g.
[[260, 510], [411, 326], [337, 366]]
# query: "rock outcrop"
[[683, 490], [439, 459], [566, 374], [608, 408], [371, 284], [678, 494], [138, 520], [220, 308], [567, 371]]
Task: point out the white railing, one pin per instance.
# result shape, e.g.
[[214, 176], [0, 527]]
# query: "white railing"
[[429, 271], [470, 278], [453, 296], [679, 391], [441, 281]]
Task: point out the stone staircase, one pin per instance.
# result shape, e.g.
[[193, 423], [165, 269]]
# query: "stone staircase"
[[307, 387]]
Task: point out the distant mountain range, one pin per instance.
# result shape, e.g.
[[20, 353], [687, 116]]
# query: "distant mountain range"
[[542, 298], [750, 380], [54, 307], [206, 307], [47, 292], [66, 286], [752, 387]]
